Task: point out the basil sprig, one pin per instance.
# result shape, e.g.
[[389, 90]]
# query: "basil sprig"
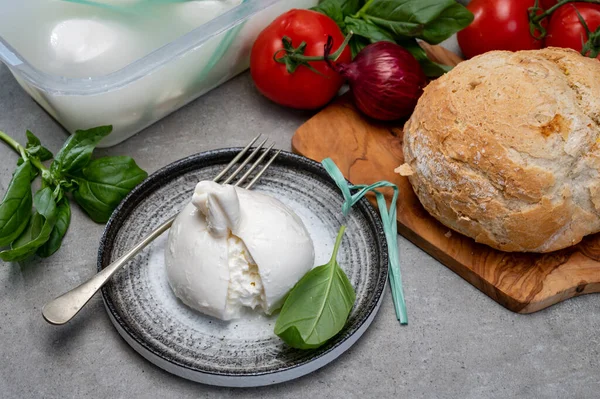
[[98, 186], [399, 21]]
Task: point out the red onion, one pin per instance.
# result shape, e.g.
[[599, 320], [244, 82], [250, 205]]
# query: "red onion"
[[386, 81]]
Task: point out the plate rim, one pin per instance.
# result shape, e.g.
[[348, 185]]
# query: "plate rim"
[[247, 381], [181, 167]]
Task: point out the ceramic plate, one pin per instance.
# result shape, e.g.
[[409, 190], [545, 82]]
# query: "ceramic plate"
[[243, 352]]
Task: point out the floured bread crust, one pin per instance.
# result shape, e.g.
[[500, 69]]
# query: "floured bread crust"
[[505, 149]]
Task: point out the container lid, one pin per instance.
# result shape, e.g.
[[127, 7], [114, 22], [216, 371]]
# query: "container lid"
[[139, 68]]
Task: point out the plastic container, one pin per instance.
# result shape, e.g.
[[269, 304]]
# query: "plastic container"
[[156, 84]]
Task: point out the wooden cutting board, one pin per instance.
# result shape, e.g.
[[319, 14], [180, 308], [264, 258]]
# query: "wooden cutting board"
[[367, 151]]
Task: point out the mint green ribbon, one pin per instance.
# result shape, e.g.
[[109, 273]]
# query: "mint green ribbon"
[[220, 52], [390, 227]]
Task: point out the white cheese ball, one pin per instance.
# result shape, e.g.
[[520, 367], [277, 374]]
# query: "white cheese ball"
[[232, 248], [82, 47]]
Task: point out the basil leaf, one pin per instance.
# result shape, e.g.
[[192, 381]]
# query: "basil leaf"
[[346, 7], [63, 220], [351, 6], [431, 20], [77, 150], [357, 44], [33, 230], [38, 230], [15, 209], [318, 306], [333, 9], [431, 69], [103, 184], [35, 148], [367, 30]]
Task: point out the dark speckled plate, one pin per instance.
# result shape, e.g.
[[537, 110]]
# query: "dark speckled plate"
[[243, 352]]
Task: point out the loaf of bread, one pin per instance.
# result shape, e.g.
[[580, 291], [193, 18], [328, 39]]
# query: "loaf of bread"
[[505, 149]]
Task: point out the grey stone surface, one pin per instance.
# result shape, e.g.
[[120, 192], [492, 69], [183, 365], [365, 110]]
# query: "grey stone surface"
[[459, 344]]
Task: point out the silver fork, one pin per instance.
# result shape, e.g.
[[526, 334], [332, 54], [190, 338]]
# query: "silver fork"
[[63, 308]]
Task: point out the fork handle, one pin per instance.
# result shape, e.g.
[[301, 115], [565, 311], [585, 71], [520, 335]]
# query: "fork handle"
[[63, 308]]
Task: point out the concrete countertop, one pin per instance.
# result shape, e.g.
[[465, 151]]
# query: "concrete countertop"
[[459, 343]]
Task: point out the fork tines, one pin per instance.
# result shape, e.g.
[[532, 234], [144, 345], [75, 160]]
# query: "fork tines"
[[246, 161]]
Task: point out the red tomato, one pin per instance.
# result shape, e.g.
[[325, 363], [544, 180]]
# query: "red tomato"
[[303, 89], [546, 4], [498, 25], [565, 29]]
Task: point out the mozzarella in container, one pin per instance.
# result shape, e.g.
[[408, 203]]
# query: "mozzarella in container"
[[232, 248], [87, 47]]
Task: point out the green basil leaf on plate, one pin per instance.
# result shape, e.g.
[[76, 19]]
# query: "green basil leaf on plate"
[[76, 153], [317, 308], [15, 209], [35, 148], [431, 20], [63, 219], [38, 229], [103, 184]]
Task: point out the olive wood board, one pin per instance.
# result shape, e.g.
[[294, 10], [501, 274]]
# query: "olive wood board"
[[367, 151]]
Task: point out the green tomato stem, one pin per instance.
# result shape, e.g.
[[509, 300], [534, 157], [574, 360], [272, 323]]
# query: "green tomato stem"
[[297, 56], [535, 20], [332, 56], [293, 57], [549, 11], [338, 242]]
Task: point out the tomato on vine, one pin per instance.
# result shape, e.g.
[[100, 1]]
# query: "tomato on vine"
[[546, 4], [287, 60], [498, 25], [575, 25]]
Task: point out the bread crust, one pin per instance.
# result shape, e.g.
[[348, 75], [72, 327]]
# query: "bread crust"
[[505, 149]]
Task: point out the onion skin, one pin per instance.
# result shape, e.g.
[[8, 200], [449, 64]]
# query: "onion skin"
[[386, 81]]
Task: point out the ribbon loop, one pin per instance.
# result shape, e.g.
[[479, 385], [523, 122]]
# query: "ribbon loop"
[[390, 227]]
